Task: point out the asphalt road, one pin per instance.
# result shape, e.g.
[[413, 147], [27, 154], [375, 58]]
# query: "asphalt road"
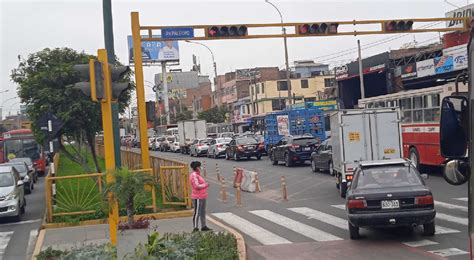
[[17, 239], [314, 212]]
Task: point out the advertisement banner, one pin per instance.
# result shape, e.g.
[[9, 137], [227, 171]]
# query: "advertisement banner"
[[443, 64], [425, 68], [156, 51], [409, 71], [282, 122], [459, 54], [465, 11]]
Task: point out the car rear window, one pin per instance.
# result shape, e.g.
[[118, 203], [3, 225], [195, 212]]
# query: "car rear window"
[[246, 141], [391, 176], [223, 140], [171, 139], [305, 141], [6, 179]]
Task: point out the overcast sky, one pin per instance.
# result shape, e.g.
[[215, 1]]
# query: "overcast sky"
[[30, 26]]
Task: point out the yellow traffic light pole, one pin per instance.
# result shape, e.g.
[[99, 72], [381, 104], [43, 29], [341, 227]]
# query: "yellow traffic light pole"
[[106, 107]]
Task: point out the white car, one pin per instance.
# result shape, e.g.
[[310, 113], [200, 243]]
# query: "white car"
[[150, 143], [174, 147], [217, 147], [12, 193], [199, 147]]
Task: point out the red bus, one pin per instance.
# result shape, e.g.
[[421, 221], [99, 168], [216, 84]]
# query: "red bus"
[[22, 143], [420, 110]]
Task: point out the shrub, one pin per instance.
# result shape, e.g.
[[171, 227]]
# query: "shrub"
[[92, 252]]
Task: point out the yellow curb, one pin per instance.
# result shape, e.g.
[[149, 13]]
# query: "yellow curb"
[[39, 244], [241, 250], [160, 215]]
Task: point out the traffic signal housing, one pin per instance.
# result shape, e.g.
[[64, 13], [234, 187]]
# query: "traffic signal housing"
[[317, 28], [117, 73], [92, 79], [227, 31], [398, 26]]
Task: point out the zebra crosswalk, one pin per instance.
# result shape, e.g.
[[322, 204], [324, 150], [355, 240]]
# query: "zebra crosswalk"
[[330, 224], [7, 238]]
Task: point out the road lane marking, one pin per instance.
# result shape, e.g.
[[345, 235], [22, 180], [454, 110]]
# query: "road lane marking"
[[298, 227], [446, 217], [258, 233], [321, 216], [449, 206], [462, 199], [340, 206], [21, 222], [444, 230], [448, 252], [31, 242], [423, 242], [4, 240]]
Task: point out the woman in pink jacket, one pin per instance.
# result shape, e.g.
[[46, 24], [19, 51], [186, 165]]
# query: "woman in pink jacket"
[[199, 195]]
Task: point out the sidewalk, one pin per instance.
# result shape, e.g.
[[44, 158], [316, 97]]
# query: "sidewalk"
[[70, 237]]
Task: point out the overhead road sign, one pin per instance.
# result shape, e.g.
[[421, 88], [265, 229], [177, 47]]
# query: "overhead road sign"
[[177, 33]]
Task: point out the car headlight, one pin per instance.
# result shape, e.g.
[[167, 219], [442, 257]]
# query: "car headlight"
[[26, 178], [11, 196]]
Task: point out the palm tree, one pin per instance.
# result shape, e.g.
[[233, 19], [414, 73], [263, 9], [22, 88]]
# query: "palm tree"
[[127, 186]]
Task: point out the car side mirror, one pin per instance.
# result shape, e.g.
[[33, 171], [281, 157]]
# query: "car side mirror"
[[425, 176], [454, 125], [456, 172], [19, 183]]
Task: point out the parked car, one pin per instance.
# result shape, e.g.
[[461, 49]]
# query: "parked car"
[[293, 149], [30, 165], [199, 147], [261, 144], [166, 143], [174, 147], [156, 145], [11, 192], [389, 193], [242, 147], [150, 142], [217, 147], [26, 175], [321, 158]]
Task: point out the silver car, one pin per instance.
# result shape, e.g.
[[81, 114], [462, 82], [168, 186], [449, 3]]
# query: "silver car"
[[12, 194], [199, 147], [28, 162], [26, 175], [217, 147]]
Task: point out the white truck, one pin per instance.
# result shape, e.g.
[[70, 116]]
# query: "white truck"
[[363, 135], [188, 131]]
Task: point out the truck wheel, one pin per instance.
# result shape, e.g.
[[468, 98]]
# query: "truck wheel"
[[353, 231], [331, 168], [236, 157], [259, 156], [343, 189], [429, 229], [274, 160], [414, 157], [313, 166], [288, 162]]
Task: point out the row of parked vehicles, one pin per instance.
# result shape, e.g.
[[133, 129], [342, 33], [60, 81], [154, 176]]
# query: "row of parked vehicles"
[[17, 178]]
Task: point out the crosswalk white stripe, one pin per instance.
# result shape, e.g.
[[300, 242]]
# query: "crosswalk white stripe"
[[461, 199], [295, 226], [423, 242], [339, 206], [31, 240], [449, 252], [449, 206], [321, 216], [444, 230], [446, 217], [4, 240], [258, 233]]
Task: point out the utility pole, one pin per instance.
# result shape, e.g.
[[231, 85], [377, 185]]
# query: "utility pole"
[[361, 72], [470, 193], [109, 46], [165, 91]]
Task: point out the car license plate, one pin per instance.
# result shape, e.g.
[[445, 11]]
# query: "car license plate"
[[307, 148], [390, 204]]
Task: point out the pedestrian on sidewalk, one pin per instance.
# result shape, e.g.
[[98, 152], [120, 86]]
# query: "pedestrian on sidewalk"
[[199, 196]]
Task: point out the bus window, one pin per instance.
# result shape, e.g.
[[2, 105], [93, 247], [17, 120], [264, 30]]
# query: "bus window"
[[405, 106], [370, 105], [392, 103], [417, 109], [379, 104], [431, 109]]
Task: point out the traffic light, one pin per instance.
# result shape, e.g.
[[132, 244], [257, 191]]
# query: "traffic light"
[[92, 79], [317, 28], [397, 26], [227, 31], [117, 73]]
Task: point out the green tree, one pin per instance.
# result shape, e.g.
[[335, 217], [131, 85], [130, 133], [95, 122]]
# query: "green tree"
[[127, 186], [45, 80], [214, 115]]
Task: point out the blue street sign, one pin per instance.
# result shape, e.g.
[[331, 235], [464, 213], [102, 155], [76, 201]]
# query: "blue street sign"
[[177, 33]]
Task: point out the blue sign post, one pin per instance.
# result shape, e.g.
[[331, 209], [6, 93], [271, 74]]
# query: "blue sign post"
[[177, 33]]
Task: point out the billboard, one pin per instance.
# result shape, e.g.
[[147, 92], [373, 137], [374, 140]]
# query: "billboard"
[[425, 68], [459, 54], [156, 51], [282, 123], [443, 64], [408, 71], [465, 11]]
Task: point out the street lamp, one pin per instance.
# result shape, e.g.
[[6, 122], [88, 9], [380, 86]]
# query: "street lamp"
[[213, 62], [290, 96]]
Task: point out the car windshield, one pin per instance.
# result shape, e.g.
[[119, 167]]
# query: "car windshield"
[[227, 134], [21, 168], [6, 179], [170, 139], [246, 141], [388, 176], [26, 160], [205, 141], [305, 141]]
